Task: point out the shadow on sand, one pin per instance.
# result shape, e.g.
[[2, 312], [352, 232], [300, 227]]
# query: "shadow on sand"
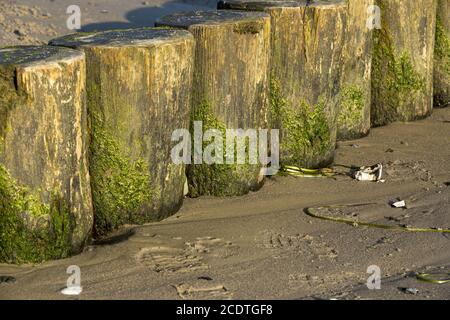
[[146, 16]]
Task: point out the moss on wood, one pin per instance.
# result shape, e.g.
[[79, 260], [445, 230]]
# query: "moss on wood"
[[120, 184], [351, 112], [305, 130], [395, 82], [442, 65], [45, 198], [30, 229], [219, 179]]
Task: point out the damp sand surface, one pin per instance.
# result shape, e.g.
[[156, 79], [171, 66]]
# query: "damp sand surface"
[[260, 246], [263, 245]]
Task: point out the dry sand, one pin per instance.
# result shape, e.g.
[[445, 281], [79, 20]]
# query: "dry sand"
[[263, 246]]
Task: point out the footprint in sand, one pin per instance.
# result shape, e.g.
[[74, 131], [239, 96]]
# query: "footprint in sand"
[[212, 247], [169, 260], [178, 257], [305, 245], [203, 289], [297, 280]]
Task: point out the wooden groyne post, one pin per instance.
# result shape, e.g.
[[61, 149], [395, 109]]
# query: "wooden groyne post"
[[45, 194], [230, 91], [139, 92], [307, 43], [402, 66]]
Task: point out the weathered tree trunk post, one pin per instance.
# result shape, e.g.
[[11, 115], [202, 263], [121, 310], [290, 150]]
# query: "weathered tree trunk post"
[[442, 55], [307, 46], [402, 66], [139, 90], [45, 194], [354, 100], [230, 92]]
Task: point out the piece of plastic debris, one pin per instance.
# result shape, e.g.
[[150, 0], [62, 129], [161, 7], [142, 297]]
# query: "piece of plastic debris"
[[399, 204], [72, 291], [373, 173], [413, 291]]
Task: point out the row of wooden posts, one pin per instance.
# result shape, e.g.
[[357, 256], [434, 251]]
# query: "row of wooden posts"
[[86, 122]]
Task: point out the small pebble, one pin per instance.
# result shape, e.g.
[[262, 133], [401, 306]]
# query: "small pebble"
[[20, 33], [7, 279]]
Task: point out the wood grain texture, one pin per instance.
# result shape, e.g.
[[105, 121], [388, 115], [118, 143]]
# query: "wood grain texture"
[[307, 48], [230, 89], [45, 194], [355, 96], [402, 68], [139, 90], [442, 55]]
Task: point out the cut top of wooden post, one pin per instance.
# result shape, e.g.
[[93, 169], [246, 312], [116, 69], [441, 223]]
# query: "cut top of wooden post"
[[261, 5], [128, 37], [186, 20], [37, 55]]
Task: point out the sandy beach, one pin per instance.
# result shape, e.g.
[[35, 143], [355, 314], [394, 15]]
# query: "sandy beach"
[[262, 245]]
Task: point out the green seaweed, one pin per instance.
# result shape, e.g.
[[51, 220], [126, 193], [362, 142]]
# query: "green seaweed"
[[351, 109], [121, 187], [442, 66], [442, 48], [31, 230], [395, 82], [305, 130], [219, 179]]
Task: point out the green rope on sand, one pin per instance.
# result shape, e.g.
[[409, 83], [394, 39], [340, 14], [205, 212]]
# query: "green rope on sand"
[[356, 223], [437, 278], [306, 173]]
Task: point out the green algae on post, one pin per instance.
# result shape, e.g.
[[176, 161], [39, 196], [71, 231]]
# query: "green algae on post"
[[442, 56], [402, 67], [139, 91], [355, 95], [305, 90], [31, 231], [229, 92], [219, 179], [45, 196], [351, 111], [306, 133]]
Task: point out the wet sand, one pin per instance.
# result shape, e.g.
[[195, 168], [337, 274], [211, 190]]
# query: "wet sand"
[[263, 245]]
